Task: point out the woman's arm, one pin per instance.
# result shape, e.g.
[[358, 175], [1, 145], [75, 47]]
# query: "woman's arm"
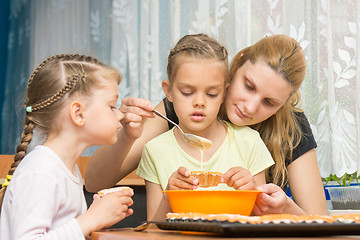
[[109, 164], [304, 181]]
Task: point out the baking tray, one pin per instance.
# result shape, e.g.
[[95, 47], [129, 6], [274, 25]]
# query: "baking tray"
[[264, 230]]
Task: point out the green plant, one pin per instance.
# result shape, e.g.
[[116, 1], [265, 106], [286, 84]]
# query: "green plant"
[[344, 180]]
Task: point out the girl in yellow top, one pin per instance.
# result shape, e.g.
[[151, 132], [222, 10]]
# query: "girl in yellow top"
[[197, 73]]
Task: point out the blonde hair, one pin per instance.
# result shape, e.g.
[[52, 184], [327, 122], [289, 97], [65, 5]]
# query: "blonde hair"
[[280, 132], [51, 83], [198, 46]]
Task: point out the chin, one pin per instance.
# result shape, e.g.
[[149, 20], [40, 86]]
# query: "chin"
[[110, 141], [236, 120]]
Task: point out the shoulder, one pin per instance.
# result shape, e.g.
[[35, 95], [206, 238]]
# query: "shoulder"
[[303, 123], [38, 157], [40, 161], [234, 129], [160, 140], [307, 140]]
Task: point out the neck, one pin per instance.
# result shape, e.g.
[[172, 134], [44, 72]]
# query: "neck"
[[67, 147], [216, 133]]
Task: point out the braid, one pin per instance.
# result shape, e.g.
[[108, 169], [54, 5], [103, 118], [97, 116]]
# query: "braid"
[[59, 56], [196, 46], [21, 149], [68, 87]]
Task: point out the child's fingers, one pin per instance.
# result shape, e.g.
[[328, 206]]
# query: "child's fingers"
[[230, 173], [188, 183], [181, 179], [183, 171], [180, 182], [239, 178], [129, 212]]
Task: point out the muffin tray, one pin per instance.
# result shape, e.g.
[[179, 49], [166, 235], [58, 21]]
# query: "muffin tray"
[[264, 230]]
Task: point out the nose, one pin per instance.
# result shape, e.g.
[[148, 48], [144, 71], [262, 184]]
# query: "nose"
[[199, 100], [119, 114], [251, 105]]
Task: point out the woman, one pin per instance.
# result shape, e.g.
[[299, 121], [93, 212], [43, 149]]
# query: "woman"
[[264, 90]]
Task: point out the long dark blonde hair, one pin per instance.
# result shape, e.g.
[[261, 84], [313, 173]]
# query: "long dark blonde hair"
[[281, 132], [51, 83]]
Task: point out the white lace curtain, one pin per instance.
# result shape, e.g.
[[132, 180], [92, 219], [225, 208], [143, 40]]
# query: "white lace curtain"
[[136, 36]]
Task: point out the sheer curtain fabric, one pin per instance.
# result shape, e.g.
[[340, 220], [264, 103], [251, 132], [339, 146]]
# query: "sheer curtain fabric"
[[136, 36]]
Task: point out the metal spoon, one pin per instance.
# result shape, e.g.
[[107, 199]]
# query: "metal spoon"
[[192, 139], [142, 227]]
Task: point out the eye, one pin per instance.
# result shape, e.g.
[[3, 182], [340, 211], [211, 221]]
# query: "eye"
[[248, 86], [268, 102], [113, 107], [213, 95], [186, 93]]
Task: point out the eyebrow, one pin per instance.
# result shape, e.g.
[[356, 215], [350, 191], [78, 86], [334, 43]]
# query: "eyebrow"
[[191, 86]]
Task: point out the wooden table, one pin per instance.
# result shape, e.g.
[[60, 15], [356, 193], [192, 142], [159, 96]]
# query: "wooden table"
[[129, 234]]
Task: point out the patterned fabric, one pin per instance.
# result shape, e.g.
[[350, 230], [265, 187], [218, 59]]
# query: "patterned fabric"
[[136, 37]]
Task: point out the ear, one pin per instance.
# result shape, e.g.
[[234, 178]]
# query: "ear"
[[225, 91], [167, 89], [76, 109]]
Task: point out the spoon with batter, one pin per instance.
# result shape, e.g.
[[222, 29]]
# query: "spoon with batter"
[[193, 140]]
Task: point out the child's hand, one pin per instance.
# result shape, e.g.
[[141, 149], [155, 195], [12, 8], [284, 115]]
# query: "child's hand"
[[239, 178], [106, 211], [135, 110], [181, 180], [272, 200]]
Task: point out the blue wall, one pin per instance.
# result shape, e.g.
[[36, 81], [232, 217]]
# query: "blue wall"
[[4, 28]]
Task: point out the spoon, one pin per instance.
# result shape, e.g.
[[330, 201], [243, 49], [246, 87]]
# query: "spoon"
[[142, 227], [192, 139]]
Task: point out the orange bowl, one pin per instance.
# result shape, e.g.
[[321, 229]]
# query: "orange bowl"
[[212, 201]]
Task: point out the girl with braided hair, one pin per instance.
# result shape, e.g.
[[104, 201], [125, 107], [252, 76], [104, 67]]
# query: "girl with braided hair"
[[71, 100], [196, 85]]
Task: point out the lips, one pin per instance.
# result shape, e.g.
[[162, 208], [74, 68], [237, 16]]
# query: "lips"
[[197, 116], [240, 113]]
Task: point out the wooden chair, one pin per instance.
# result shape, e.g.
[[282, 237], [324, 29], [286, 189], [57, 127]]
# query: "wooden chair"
[[131, 179]]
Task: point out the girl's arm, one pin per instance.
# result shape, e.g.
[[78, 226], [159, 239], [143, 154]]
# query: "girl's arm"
[[106, 211], [109, 164], [304, 181], [156, 202]]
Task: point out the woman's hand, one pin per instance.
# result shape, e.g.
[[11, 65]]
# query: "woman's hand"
[[135, 111], [181, 180], [106, 211], [239, 178], [272, 200]]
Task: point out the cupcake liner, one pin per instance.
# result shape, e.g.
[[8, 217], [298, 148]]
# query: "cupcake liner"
[[207, 179]]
